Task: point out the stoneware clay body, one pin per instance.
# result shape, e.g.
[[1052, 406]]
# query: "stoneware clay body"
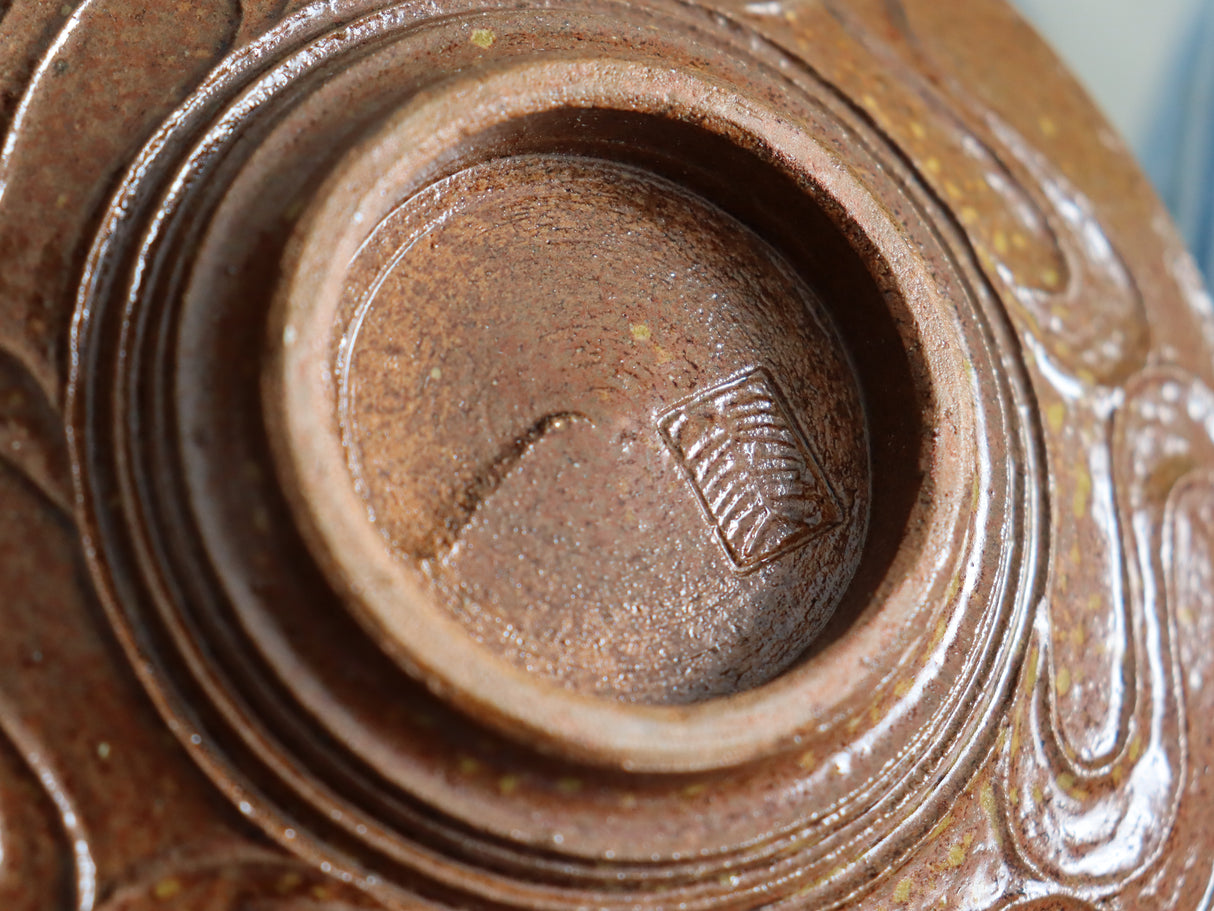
[[597, 455]]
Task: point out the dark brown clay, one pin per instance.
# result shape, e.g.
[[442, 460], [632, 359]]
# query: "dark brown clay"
[[592, 455]]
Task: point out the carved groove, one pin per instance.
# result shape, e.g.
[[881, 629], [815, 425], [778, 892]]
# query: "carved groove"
[[45, 856], [489, 477], [346, 758]]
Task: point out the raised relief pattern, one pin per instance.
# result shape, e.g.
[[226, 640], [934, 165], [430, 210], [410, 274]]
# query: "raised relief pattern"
[[453, 816], [751, 468], [1097, 757]]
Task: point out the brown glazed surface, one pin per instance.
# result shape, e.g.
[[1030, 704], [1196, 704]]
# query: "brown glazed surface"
[[529, 318], [592, 455]]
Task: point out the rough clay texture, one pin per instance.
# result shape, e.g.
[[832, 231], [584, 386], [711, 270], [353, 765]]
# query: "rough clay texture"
[[814, 389]]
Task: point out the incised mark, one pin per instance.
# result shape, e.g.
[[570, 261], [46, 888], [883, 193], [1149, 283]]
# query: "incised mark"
[[490, 476], [751, 468]]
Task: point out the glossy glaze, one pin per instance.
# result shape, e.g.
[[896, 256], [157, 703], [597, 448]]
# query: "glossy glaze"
[[592, 455]]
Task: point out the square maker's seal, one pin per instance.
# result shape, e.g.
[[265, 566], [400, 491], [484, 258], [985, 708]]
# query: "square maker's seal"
[[752, 469]]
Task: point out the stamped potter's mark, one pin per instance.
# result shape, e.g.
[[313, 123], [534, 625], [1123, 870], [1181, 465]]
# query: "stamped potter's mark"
[[751, 468]]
